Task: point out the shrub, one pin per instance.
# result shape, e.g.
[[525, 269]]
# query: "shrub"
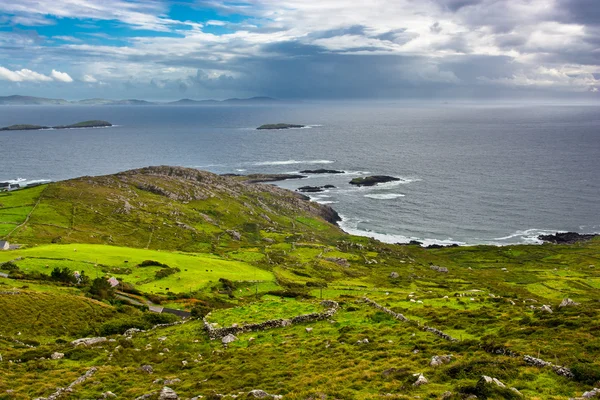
[[101, 289], [155, 318], [63, 275], [118, 327], [80, 354], [166, 272], [380, 316], [9, 266], [290, 294], [586, 373], [34, 354], [152, 263], [200, 311]]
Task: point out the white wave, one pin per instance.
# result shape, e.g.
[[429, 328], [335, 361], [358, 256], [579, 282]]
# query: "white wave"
[[528, 236], [290, 162], [240, 170], [326, 201], [25, 182], [350, 225], [384, 196]]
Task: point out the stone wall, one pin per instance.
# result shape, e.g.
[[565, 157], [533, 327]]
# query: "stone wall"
[[218, 333], [402, 318], [559, 370]]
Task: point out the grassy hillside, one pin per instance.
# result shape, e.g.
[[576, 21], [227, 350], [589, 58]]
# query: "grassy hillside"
[[164, 208], [490, 299], [196, 270]]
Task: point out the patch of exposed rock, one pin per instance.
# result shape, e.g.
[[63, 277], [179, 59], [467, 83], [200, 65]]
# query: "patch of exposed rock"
[[566, 237], [88, 341]]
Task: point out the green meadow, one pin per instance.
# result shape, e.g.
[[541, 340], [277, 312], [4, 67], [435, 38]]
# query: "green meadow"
[[249, 253]]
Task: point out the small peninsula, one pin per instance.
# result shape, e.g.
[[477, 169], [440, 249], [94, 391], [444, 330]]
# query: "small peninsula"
[[84, 124], [279, 126], [373, 180]]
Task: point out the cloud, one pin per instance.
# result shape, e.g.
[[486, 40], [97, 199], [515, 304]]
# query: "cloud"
[[61, 76], [295, 48], [89, 79], [23, 75]]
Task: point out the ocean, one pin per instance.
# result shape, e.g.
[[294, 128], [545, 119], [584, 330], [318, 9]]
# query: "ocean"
[[470, 174]]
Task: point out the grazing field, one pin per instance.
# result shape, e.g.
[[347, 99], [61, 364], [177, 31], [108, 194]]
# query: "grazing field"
[[452, 314], [16, 206], [196, 270]]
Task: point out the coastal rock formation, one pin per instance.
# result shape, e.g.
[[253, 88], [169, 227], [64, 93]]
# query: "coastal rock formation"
[[373, 180], [322, 171], [566, 237], [310, 189], [279, 126]]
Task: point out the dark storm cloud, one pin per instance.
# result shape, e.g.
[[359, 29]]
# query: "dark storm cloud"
[[586, 12]]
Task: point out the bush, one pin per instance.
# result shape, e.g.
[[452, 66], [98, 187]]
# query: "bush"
[[380, 316], [34, 354], [586, 373], [63, 275], [155, 298], [152, 263], [80, 354], [101, 289], [118, 327], [290, 294], [166, 272], [9, 266], [200, 311], [155, 318]]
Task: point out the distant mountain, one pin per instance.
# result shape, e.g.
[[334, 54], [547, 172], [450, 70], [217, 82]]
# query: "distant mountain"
[[30, 100], [251, 100], [94, 102], [190, 102]]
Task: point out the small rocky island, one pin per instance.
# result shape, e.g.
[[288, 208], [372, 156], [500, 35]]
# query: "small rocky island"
[[373, 180], [314, 189], [322, 171], [84, 124], [279, 126]]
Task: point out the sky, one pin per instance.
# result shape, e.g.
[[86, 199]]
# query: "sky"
[[301, 49]]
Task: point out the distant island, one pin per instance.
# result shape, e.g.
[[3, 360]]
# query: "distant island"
[[373, 180], [18, 100], [279, 126], [84, 124]]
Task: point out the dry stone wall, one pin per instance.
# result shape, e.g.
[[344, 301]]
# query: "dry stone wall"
[[218, 333], [402, 318]]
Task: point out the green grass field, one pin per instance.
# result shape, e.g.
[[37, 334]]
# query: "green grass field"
[[196, 269]]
